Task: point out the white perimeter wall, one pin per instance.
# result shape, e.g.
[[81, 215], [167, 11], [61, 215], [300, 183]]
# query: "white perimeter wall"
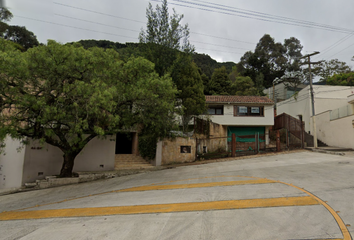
[[49, 159], [336, 133], [326, 98], [11, 164], [228, 119]]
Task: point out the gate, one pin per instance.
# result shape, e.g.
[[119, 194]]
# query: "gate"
[[291, 131]]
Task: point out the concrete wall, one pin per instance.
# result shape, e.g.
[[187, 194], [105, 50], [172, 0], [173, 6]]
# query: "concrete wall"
[[11, 164], [43, 160], [336, 133], [326, 98], [229, 119]]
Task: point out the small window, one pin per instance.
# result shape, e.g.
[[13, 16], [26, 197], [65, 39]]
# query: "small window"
[[216, 110], [185, 149]]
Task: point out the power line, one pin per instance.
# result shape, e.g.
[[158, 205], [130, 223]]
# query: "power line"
[[270, 16], [276, 19], [102, 24], [109, 15], [64, 25], [105, 14]]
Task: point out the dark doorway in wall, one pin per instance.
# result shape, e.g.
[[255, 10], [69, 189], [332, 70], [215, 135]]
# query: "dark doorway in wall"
[[124, 143]]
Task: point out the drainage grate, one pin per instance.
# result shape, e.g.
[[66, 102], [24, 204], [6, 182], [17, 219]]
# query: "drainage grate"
[[343, 162]]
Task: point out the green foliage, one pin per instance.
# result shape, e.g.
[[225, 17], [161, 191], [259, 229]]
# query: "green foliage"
[[343, 79], [147, 146], [271, 59], [243, 86], [164, 37], [220, 82], [327, 69], [5, 16], [186, 77], [66, 95], [101, 44], [21, 36]]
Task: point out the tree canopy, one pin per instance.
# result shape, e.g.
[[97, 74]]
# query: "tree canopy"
[[327, 69], [65, 95], [164, 37], [342, 79], [271, 59], [186, 77]]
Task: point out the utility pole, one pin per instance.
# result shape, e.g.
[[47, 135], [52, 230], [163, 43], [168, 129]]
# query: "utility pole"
[[312, 97]]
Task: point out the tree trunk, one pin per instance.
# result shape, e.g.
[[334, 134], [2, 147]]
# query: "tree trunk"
[[68, 165]]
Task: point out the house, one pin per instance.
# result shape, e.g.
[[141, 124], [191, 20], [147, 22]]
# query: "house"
[[281, 91], [242, 115], [333, 112]]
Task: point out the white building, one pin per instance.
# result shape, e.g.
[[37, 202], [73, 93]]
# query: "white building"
[[333, 112], [242, 114]]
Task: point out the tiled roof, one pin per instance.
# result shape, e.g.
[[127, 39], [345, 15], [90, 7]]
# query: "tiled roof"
[[238, 99]]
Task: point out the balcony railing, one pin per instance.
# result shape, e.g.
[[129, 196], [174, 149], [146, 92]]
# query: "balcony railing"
[[342, 112]]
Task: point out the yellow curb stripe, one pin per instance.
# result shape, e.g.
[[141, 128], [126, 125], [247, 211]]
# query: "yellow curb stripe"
[[189, 179], [195, 185], [161, 208], [158, 187], [341, 224]]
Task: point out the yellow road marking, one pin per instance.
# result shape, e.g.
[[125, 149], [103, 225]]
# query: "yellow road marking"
[[195, 185], [339, 221], [189, 179], [161, 208]]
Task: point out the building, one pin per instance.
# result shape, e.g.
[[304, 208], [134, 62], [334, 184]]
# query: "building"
[[242, 115], [333, 111]]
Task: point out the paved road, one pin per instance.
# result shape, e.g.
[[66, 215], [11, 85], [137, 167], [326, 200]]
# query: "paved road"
[[301, 195]]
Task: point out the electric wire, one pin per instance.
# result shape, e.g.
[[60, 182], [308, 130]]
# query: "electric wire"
[[281, 20], [64, 25]]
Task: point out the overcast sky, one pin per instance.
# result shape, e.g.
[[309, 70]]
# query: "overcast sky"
[[223, 29]]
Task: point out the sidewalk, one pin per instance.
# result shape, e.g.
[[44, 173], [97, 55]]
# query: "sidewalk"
[[94, 176]]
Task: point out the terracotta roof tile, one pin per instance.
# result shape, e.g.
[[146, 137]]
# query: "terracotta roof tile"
[[238, 99]]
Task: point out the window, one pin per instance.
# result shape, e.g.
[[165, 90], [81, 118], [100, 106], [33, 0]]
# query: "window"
[[255, 111], [186, 149], [216, 110]]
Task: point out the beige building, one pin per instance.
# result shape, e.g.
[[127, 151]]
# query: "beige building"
[[333, 112]]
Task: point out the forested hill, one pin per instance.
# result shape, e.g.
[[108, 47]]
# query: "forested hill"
[[203, 61]]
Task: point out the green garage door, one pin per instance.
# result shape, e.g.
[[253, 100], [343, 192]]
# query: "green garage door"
[[245, 131]]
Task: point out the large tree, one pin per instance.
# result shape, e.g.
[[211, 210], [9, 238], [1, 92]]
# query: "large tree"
[[164, 37], [65, 95], [186, 76], [342, 79], [21, 36], [220, 82], [271, 59], [327, 69], [5, 16]]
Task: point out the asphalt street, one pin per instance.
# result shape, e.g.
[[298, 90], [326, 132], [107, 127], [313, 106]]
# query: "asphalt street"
[[301, 195]]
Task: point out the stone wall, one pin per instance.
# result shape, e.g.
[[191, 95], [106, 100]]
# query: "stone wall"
[[172, 150]]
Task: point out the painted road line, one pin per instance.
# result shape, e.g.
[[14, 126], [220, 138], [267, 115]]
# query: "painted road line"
[[341, 224], [195, 185], [161, 208], [166, 187]]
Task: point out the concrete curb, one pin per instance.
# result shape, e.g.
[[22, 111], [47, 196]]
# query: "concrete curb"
[[327, 152]]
